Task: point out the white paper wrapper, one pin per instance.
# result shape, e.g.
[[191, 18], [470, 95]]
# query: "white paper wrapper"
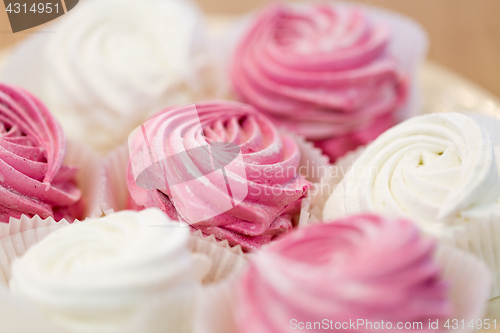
[[226, 261], [88, 180], [313, 164], [491, 124], [470, 284], [89, 176], [312, 206], [227, 264], [215, 311], [480, 238], [114, 193], [409, 45], [16, 244]]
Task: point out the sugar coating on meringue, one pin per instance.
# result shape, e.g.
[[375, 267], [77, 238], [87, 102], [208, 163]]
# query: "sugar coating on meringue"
[[360, 267], [112, 64], [323, 71], [96, 276], [249, 201], [33, 178], [440, 169]]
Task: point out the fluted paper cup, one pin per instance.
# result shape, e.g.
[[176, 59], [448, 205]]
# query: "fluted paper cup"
[[226, 261], [470, 284], [114, 194], [312, 206], [215, 310], [89, 177]]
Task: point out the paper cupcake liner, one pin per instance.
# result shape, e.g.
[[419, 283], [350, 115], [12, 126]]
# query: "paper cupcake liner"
[[409, 45], [470, 283], [315, 167], [215, 310], [88, 180], [479, 237], [15, 245], [25, 223], [313, 164], [490, 124], [114, 193], [227, 261], [312, 206]]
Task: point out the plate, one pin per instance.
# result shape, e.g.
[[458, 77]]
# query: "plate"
[[445, 91]]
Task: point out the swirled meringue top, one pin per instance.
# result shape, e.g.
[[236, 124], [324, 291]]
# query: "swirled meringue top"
[[362, 266], [323, 71], [440, 169], [112, 64], [93, 276], [251, 203], [33, 179]]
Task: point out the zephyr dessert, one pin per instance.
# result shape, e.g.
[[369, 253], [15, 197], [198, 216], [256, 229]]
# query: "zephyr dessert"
[[337, 74], [222, 167], [112, 64], [33, 178], [375, 272], [442, 170], [126, 272]]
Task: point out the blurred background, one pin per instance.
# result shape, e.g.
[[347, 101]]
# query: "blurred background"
[[464, 34]]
